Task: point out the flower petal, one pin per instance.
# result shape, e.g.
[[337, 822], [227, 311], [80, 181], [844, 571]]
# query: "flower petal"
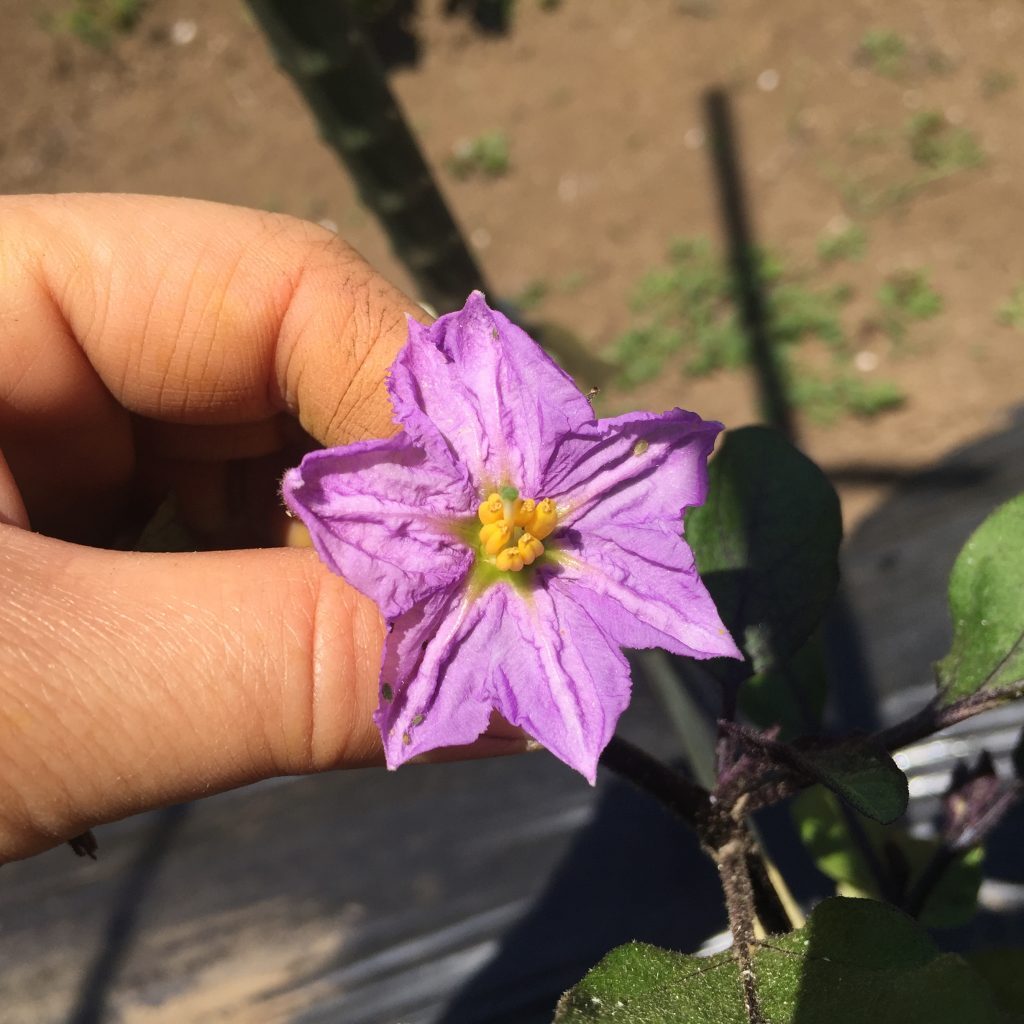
[[621, 497], [539, 660], [644, 591], [475, 388], [377, 513], [638, 467], [560, 677], [434, 674]]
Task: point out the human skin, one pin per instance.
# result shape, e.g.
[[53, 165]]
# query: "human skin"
[[148, 343]]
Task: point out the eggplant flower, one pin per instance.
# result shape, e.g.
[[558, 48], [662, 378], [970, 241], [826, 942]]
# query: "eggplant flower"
[[513, 543]]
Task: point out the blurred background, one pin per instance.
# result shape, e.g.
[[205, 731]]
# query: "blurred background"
[[881, 149]]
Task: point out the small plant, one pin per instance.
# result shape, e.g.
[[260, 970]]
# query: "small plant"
[[532, 295], [847, 244], [689, 308], [97, 22], [1011, 312], [573, 281], [940, 146], [996, 82], [827, 399], [883, 51], [907, 296], [486, 155]]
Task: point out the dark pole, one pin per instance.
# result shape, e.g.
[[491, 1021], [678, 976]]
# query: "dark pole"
[[775, 407], [320, 46]]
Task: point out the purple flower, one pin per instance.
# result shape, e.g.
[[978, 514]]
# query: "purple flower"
[[513, 543]]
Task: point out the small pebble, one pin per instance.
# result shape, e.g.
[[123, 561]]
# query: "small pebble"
[[768, 80], [865, 361], [184, 32]]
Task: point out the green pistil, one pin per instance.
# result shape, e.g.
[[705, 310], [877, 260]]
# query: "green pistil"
[[509, 494]]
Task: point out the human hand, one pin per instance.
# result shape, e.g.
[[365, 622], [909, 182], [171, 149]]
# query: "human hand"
[[147, 344]]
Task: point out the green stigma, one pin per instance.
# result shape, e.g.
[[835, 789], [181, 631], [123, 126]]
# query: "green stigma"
[[509, 494]]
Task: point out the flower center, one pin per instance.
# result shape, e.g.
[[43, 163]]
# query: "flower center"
[[513, 529]]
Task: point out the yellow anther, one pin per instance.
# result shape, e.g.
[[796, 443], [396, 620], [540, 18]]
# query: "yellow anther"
[[530, 548], [544, 519], [494, 536], [492, 510], [525, 513], [509, 560]]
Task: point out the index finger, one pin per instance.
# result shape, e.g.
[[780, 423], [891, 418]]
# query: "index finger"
[[193, 312]]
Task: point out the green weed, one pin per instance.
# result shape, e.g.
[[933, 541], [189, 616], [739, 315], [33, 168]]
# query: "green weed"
[[532, 295], [996, 82], [940, 146], [827, 399], [907, 296], [486, 155], [1011, 312], [884, 52], [689, 309], [97, 22], [573, 281], [848, 244]]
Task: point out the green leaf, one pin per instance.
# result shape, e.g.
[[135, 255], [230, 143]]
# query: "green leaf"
[[766, 543], [1003, 969], [825, 831], [986, 601], [855, 961], [861, 773], [790, 696]]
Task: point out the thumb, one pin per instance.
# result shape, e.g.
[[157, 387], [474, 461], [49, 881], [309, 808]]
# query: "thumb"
[[133, 680]]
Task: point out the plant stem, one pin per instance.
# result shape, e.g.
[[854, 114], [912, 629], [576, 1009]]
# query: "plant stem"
[[732, 861], [933, 717], [713, 825], [685, 798], [771, 910]]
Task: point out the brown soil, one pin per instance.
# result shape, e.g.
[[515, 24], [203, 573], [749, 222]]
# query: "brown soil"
[[602, 106]]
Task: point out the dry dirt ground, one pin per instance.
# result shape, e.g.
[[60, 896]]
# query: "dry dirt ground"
[[601, 106]]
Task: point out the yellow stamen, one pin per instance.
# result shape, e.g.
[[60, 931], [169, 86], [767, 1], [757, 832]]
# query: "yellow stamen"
[[509, 560], [544, 519], [491, 510], [494, 536], [530, 548], [513, 528], [525, 513]]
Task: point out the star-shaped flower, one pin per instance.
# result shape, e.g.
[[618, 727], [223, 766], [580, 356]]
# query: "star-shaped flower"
[[513, 543]]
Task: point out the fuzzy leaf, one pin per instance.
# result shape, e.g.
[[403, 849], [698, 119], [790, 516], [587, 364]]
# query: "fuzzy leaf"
[[855, 961], [1003, 969], [790, 696], [862, 774], [986, 601], [766, 543]]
